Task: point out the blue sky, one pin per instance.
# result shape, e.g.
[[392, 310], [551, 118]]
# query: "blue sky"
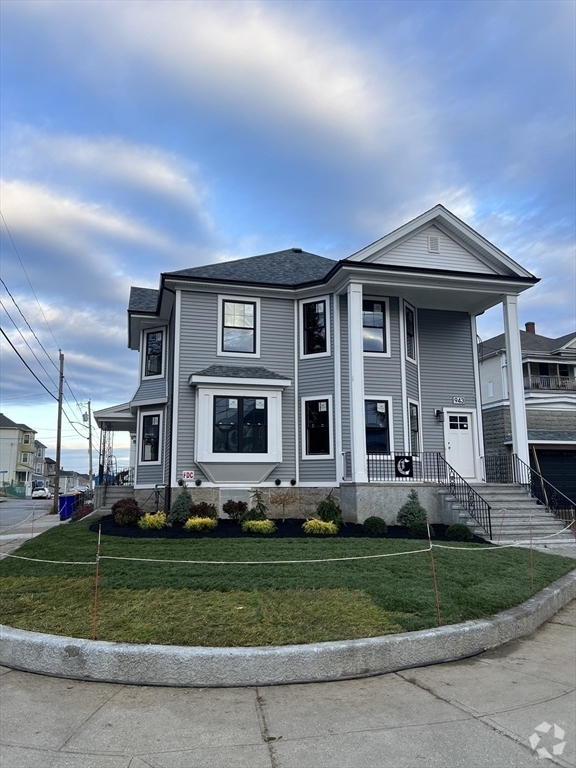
[[141, 137]]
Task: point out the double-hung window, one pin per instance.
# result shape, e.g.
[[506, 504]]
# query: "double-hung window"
[[240, 425], [153, 353], [150, 449], [410, 332], [315, 331], [25, 457], [316, 428], [374, 331], [377, 426], [26, 439], [238, 321]]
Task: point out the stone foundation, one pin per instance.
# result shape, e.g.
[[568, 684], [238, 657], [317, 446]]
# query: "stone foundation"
[[362, 500]]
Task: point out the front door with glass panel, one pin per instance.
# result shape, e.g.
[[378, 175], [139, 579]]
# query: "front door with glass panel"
[[459, 442]]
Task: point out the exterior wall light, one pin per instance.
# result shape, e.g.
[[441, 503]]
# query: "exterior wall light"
[[439, 413]]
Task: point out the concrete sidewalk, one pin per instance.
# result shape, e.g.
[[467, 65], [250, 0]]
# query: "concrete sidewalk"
[[14, 536], [477, 713]]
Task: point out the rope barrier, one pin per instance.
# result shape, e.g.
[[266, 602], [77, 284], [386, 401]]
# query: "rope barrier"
[[54, 562]]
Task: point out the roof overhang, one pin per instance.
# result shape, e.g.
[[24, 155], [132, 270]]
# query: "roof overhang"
[[117, 418], [237, 381]]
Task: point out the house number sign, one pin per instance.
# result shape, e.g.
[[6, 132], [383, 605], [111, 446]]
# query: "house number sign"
[[458, 400]]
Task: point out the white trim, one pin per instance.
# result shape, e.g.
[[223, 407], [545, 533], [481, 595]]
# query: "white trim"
[[324, 484], [386, 302], [453, 411], [356, 378], [296, 311], [176, 389], [389, 400], [144, 333], [337, 390], [232, 381], [324, 456], [205, 426], [515, 379], [403, 385], [151, 401], [257, 325], [314, 300], [141, 416], [478, 388], [406, 305]]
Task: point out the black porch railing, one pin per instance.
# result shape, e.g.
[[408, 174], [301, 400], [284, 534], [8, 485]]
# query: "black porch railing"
[[430, 467], [539, 488]]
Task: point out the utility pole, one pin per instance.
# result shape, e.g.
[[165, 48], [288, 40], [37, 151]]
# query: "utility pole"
[[55, 508], [90, 471]]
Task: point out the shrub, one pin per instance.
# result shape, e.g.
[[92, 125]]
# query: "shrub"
[[180, 510], [419, 530], [375, 526], [252, 515], [152, 521], [127, 512], [258, 504], [323, 527], [200, 524], [328, 511], [459, 532], [258, 526], [412, 511], [203, 509], [82, 512], [235, 509]]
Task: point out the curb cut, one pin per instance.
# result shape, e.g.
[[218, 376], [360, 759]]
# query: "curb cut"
[[184, 666]]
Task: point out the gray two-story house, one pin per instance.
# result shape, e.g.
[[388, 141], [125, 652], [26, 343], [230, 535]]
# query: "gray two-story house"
[[293, 371]]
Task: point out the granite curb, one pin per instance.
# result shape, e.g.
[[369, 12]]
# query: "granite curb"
[[184, 666]]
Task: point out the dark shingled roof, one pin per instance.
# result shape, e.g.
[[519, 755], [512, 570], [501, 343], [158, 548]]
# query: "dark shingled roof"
[[290, 267], [239, 372], [6, 423], [547, 435], [143, 299], [530, 342]]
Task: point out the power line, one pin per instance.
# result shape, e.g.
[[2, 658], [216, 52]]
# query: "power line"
[[28, 345], [27, 366]]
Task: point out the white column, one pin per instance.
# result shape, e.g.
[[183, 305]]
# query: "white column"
[[515, 379], [356, 358]]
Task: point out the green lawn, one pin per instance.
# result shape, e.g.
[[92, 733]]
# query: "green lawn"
[[225, 605]]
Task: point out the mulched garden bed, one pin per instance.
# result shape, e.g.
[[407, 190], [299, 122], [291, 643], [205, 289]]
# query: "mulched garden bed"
[[227, 529]]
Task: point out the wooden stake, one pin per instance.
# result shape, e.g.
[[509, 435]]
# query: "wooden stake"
[[96, 580]]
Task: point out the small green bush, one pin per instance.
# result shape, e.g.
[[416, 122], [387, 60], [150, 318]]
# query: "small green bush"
[[200, 524], [258, 526], [322, 527], [328, 511], [419, 530], [375, 526], [126, 512], [180, 510], [459, 532], [235, 509], [412, 511], [203, 509], [152, 521], [252, 515]]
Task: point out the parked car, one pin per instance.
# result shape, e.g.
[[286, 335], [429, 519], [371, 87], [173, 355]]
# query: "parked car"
[[41, 493]]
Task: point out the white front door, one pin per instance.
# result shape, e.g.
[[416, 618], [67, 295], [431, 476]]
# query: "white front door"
[[459, 443]]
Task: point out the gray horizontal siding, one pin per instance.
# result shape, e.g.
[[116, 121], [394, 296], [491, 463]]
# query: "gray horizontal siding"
[[382, 376], [446, 368], [411, 380], [151, 389], [198, 347]]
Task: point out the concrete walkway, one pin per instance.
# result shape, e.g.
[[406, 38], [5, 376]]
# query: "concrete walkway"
[[478, 713]]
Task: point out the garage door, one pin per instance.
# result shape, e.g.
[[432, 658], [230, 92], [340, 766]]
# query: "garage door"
[[559, 468]]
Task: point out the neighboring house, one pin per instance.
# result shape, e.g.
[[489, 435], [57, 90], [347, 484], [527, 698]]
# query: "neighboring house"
[[50, 465], [39, 477], [17, 455], [548, 368], [290, 370]]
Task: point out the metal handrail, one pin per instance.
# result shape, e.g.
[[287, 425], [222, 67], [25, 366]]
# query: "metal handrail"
[[477, 507], [543, 491]]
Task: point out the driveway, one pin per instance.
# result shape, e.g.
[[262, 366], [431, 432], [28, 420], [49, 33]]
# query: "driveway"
[[477, 713]]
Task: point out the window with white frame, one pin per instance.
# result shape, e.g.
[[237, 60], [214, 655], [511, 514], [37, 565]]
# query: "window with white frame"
[[316, 428], [240, 425], [410, 332], [150, 438], [375, 326], [414, 422], [314, 324], [153, 353], [25, 457], [26, 440], [238, 324], [377, 420]]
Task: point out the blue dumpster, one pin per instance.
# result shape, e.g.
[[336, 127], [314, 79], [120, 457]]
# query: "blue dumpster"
[[66, 506]]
